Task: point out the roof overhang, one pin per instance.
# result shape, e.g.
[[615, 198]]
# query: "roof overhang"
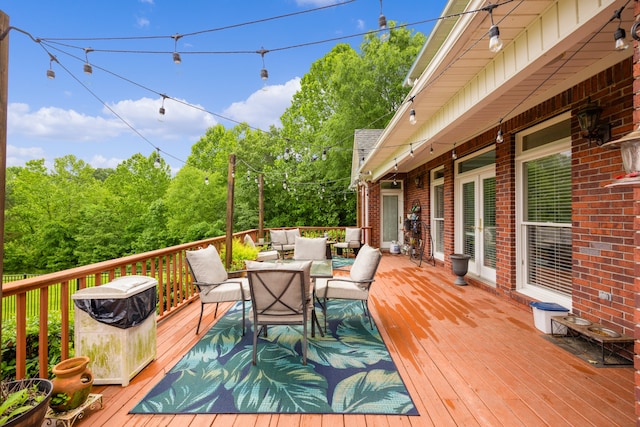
[[461, 89]]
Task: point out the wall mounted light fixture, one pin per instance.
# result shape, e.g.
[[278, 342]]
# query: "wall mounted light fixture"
[[589, 119], [418, 181]]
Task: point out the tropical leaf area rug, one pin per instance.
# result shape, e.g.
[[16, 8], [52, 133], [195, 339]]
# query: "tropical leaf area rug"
[[349, 370], [341, 263]]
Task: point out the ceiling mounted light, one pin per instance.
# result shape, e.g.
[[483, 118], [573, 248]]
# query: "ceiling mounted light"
[[495, 43], [176, 56]]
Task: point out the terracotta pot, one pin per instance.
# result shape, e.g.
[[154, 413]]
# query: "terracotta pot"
[[72, 384]]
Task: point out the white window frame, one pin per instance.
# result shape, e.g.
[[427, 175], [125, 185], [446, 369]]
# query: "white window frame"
[[434, 183], [563, 144]]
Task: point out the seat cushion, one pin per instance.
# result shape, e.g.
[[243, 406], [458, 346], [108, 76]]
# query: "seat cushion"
[[366, 263], [249, 241], [340, 289], [206, 265], [227, 291], [278, 237], [310, 248], [292, 235], [267, 256]]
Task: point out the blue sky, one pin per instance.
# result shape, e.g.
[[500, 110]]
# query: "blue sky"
[[108, 116]]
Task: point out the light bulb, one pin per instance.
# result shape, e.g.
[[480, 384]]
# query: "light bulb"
[[382, 22], [51, 74], [176, 58], [157, 164], [88, 69], [495, 44], [620, 37], [206, 180], [264, 74], [412, 116], [161, 111], [499, 137]]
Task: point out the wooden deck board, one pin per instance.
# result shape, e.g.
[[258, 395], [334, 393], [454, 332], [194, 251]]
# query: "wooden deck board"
[[467, 357]]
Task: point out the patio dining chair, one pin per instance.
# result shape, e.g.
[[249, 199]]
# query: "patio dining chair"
[[213, 282], [281, 295], [284, 241], [310, 248], [352, 241], [356, 286]]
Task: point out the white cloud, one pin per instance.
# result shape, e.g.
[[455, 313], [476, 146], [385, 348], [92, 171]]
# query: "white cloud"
[[17, 156], [179, 122], [360, 24], [52, 123], [142, 22], [264, 107], [99, 161]]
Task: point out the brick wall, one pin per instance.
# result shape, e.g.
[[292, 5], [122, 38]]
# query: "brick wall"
[[604, 247]]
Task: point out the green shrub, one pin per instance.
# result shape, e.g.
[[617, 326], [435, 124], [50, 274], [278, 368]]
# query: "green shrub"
[[8, 368], [241, 253]]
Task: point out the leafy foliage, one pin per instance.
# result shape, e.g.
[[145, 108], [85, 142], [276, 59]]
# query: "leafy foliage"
[[74, 215]]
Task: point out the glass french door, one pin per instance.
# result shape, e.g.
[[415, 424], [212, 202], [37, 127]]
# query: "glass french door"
[[476, 215], [391, 218]]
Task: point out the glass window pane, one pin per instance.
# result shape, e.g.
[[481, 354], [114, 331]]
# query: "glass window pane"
[[489, 226], [549, 258], [548, 189], [547, 135], [469, 219], [479, 161], [390, 215]]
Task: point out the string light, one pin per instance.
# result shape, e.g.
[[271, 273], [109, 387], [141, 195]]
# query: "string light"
[[50, 73], [431, 149], [495, 44], [619, 35], [88, 69], [382, 20], [324, 154], [206, 180], [264, 74], [156, 163], [412, 113], [176, 56], [161, 110], [395, 167], [411, 150], [453, 152], [499, 136]]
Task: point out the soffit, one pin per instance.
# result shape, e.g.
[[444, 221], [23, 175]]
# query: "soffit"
[[466, 89]]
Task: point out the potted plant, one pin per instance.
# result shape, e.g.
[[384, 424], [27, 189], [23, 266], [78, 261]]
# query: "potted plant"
[[24, 403]]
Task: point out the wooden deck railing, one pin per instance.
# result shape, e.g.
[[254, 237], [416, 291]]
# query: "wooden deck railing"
[[167, 265]]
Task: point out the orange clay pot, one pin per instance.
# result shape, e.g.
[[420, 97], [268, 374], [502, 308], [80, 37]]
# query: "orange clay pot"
[[72, 384]]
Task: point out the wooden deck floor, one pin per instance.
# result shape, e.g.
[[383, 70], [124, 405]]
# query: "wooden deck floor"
[[468, 359]]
